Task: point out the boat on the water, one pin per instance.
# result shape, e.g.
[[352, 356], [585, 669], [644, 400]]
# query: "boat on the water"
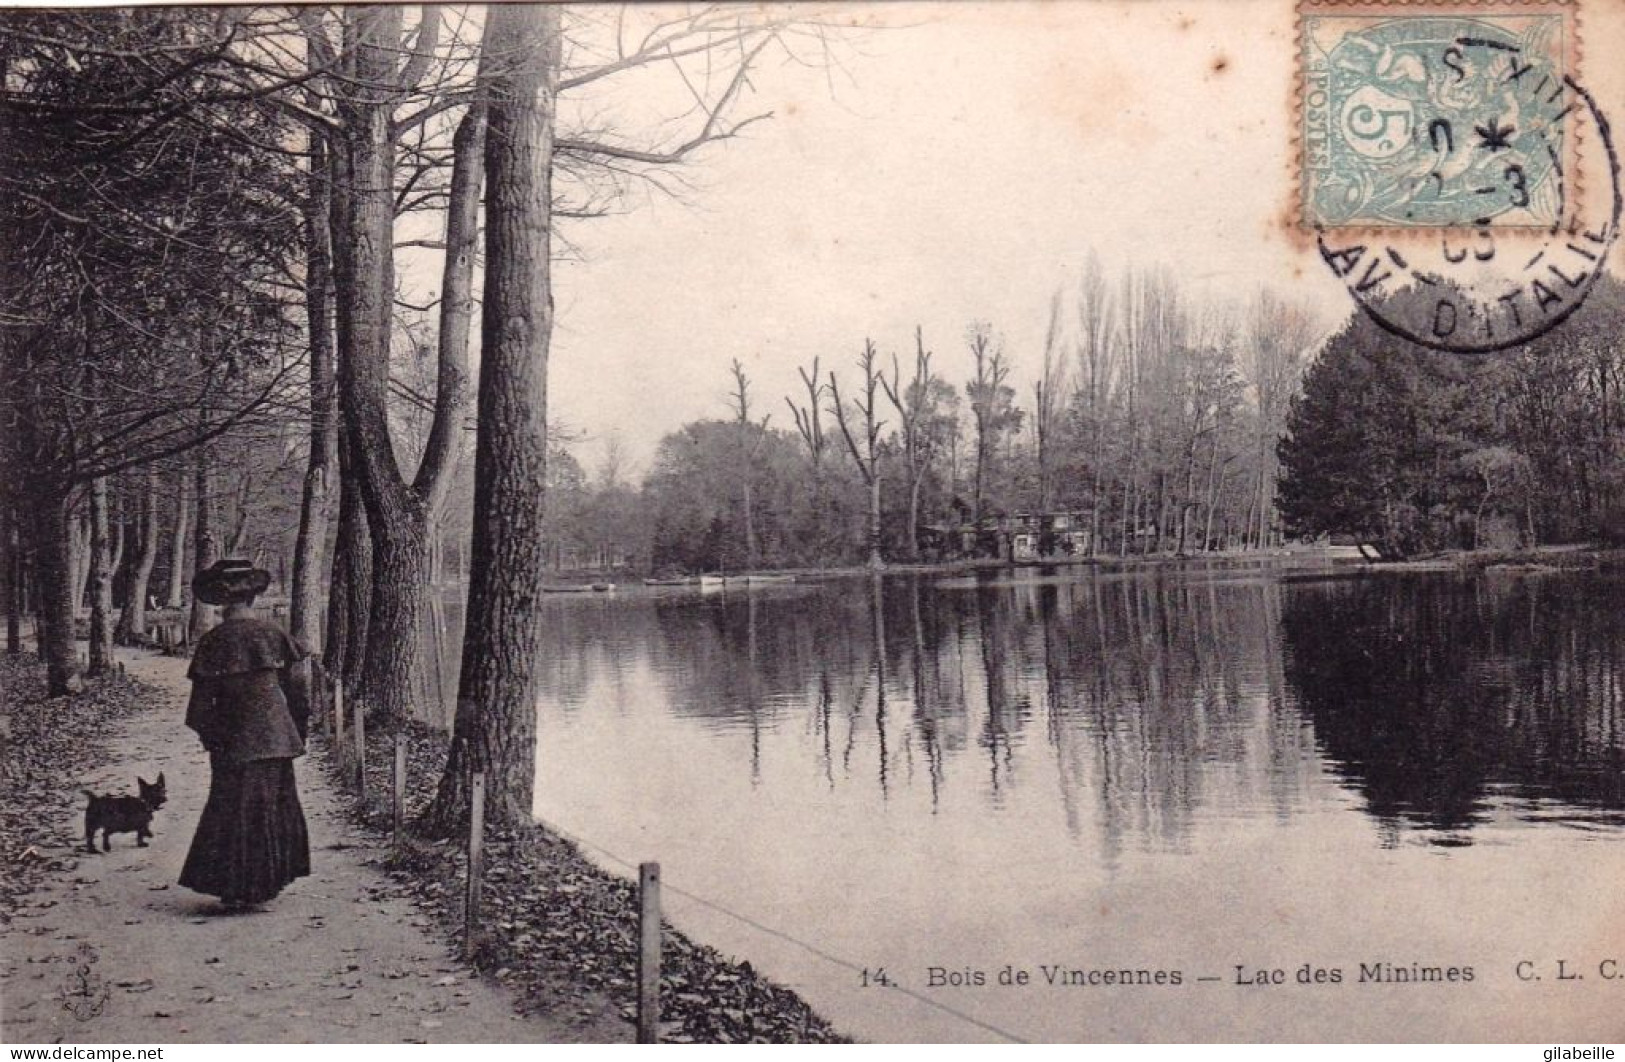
[[676, 580], [761, 580], [571, 588]]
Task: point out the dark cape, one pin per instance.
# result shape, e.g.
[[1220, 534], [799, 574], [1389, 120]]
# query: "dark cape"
[[251, 840]]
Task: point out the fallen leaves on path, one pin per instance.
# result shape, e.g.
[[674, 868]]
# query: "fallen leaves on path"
[[51, 740]]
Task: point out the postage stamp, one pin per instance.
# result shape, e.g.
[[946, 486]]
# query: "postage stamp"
[[1436, 115], [1460, 180]]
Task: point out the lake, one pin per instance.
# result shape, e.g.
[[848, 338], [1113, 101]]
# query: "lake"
[[1113, 781]]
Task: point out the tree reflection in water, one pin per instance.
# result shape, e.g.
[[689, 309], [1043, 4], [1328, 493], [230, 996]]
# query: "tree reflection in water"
[[1432, 695], [1147, 702]]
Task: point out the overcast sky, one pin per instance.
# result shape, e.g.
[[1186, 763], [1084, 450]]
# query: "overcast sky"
[[960, 168]]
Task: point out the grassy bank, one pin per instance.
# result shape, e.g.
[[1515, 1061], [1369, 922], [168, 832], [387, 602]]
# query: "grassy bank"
[[564, 931]]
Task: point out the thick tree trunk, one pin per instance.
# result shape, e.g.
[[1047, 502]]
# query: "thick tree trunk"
[[101, 580], [364, 228], [398, 514], [495, 726], [305, 606], [350, 591], [52, 539], [175, 597], [132, 622]]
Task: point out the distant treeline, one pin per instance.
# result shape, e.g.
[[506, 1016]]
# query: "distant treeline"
[[1419, 449], [1151, 427]]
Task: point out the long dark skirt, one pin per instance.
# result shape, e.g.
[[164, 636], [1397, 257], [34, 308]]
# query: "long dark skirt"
[[251, 838]]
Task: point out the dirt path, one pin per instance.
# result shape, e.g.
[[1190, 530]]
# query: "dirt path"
[[339, 957]]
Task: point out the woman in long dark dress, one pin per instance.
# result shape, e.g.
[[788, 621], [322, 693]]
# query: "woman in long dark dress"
[[251, 839]]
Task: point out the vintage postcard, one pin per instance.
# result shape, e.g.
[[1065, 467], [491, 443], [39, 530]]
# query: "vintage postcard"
[[1092, 521]]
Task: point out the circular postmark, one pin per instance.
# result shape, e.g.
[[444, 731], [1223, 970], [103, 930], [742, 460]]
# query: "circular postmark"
[[1446, 201]]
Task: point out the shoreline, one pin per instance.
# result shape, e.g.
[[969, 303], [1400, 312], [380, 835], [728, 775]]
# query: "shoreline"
[[556, 924]]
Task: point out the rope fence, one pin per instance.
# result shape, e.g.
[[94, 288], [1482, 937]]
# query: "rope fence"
[[780, 934]]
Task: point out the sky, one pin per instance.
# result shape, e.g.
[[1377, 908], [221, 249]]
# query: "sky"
[[959, 166]]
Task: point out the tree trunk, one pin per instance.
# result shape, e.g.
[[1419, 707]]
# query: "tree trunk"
[[52, 540], [10, 550], [364, 228], [750, 519], [876, 562], [119, 518], [175, 597], [495, 726], [132, 622], [315, 504], [79, 559], [101, 581], [981, 461], [398, 513], [204, 549], [350, 590], [914, 519]]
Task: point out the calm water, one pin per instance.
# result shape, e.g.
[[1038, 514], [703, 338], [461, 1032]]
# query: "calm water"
[[1183, 771]]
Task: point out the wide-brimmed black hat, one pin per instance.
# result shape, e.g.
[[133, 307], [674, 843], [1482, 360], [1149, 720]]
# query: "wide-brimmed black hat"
[[227, 582]]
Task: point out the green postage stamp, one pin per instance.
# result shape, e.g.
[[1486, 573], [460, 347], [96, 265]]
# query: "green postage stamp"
[[1428, 116]]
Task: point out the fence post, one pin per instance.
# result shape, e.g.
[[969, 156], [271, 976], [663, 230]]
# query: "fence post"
[[649, 953], [400, 789], [476, 864], [361, 753]]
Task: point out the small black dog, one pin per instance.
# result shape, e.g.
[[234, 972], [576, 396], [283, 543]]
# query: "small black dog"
[[123, 814]]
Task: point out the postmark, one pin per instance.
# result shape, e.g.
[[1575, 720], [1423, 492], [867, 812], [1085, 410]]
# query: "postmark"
[[1460, 180]]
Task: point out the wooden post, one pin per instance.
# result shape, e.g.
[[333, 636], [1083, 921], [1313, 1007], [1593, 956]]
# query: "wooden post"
[[649, 953], [361, 753], [476, 864], [400, 789]]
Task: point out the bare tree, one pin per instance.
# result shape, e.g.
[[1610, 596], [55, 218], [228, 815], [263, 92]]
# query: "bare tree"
[[1049, 392], [809, 419], [1096, 345], [1278, 338], [865, 412], [923, 426], [751, 435], [992, 404], [612, 466]]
